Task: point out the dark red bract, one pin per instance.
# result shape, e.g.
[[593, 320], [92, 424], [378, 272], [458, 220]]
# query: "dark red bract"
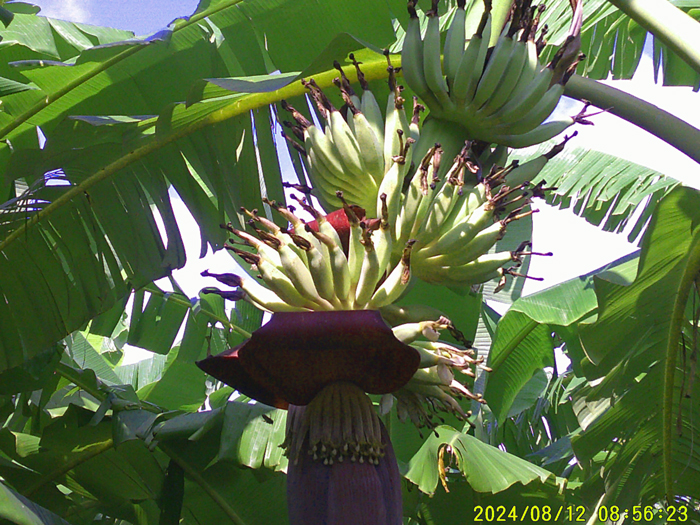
[[339, 221], [292, 357]]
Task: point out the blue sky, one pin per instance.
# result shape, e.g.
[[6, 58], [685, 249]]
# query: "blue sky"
[[140, 16]]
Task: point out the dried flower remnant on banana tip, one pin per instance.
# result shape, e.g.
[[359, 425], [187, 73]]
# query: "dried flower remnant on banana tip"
[[498, 95]]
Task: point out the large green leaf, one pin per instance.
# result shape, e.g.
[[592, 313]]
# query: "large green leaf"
[[523, 341], [493, 471], [80, 245], [603, 189], [639, 344], [476, 475], [17, 509]]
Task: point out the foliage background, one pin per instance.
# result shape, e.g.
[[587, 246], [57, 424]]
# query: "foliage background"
[[86, 438]]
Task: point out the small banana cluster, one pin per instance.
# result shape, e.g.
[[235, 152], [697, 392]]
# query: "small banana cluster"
[[340, 424], [498, 95], [432, 387], [361, 154], [307, 270], [455, 221]]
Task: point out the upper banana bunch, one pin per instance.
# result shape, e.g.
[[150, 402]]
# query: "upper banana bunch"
[[362, 154], [501, 94], [306, 270]]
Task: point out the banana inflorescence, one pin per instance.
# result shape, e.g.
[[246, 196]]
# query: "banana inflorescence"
[[340, 424], [500, 94], [425, 200]]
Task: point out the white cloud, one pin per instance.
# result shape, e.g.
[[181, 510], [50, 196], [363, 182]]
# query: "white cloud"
[[71, 10]]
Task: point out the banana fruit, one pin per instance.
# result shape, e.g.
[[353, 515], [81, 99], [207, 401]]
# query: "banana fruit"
[[309, 270], [499, 95], [357, 152], [434, 387]]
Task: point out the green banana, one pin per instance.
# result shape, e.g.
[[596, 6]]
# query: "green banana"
[[282, 284], [409, 332], [396, 126], [370, 272], [265, 299], [298, 275], [396, 282], [417, 191], [527, 171], [412, 313], [369, 106], [472, 64], [460, 234], [320, 145], [412, 54], [327, 183], [390, 191], [355, 248], [432, 67], [383, 237], [371, 147], [494, 158], [495, 67], [508, 80], [521, 101], [536, 115], [344, 140], [481, 269], [321, 270], [538, 135], [436, 392], [425, 203], [414, 125], [435, 375], [481, 243], [454, 42]]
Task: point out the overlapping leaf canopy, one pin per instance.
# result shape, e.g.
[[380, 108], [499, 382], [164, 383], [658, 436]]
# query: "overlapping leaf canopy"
[[125, 122]]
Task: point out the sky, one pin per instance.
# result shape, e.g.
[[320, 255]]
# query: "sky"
[[577, 246], [143, 17]]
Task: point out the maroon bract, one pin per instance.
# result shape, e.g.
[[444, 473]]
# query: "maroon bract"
[[296, 354], [339, 220]]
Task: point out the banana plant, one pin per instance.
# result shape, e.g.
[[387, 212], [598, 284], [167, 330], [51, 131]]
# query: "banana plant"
[[116, 142]]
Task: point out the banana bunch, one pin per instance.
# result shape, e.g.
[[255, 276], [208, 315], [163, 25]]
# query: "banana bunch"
[[455, 220], [306, 270], [433, 387], [363, 154], [499, 94]]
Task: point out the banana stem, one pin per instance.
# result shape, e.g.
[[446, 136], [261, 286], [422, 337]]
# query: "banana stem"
[[679, 31], [649, 117]]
